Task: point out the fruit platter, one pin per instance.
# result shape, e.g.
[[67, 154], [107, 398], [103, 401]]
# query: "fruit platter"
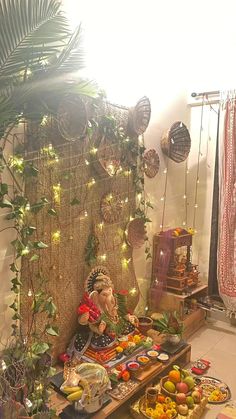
[[177, 396], [215, 390]]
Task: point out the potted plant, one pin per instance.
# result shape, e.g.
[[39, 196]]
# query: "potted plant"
[[171, 325]]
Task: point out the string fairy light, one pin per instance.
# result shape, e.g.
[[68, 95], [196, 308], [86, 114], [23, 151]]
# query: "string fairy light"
[[56, 236], [133, 291], [198, 165], [103, 257], [30, 293], [163, 198]]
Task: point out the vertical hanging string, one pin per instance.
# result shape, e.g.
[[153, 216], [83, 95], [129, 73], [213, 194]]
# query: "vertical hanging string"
[[198, 166], [164, 196], [185, 197]]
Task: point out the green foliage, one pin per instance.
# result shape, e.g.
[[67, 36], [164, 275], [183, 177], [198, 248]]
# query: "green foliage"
[[91, 249], [169, 323]]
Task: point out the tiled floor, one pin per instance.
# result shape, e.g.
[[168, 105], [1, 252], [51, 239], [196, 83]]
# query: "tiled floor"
[[216, 342]]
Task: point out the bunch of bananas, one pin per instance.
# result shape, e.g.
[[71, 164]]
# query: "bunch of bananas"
[[74, 393]]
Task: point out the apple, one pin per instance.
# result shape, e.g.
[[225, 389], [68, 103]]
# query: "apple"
[[182, 409], [196, 396], [189, 381], [182, 387], [189, 402], [180, 398], [197, 388]]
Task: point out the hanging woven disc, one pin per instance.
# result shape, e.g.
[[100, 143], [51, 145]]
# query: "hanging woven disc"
[[72, 118], [118, 112], [140, 116], [136, 233], [107, 159], [111, 207], [176, 142], [151, 163]]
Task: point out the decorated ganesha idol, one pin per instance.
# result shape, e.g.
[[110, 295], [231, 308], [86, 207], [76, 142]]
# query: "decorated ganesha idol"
[[103, 315]]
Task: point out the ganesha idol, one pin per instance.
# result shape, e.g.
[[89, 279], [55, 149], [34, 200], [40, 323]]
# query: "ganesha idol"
[[103, 315]]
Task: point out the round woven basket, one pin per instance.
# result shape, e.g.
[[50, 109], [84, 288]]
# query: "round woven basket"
[[136, 233], [107, 160], [111, 207], [118, 112], [166, 392], [176, 142], [139, 116], [72, 117], [151, 163]]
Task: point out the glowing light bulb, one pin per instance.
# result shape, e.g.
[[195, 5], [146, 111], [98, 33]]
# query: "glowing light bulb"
[[91, 182], [126, 200], [86, 162], [187, 171], [127, 140], [3, 365], [198, 181], [184, 223], [85, 213], [161, 226], [56, 236], [124, 246], [27, 207], [39, 387], [30, 293], [93, 150], [184, 196], [140, 139], [57, 193], [131, 218], [196, 206], [127, 172], [133, 291], [103, 257], [25, 251], [125, 262], [165, 171], [44, 120], [101, 225], [139, 196], [162, 198], [110, 197], [161, 253]]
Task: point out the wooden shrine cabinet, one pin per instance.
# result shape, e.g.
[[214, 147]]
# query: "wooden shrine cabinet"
[[182, 285]]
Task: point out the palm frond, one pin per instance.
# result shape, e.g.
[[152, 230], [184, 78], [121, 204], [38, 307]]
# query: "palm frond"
[[71, 58], [30, 31]]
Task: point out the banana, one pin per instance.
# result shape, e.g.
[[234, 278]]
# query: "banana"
[[75, 395], [69, 390]]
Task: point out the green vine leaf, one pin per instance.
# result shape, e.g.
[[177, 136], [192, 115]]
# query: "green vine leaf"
[[39, 348], [34, 258], [53, 212], [50, 307], [3, 189], [16, 316], [75, 201], [148, 203], [6, 204], [14, 306], [52, 330], [13, 267], [16, 281], [40, 245]]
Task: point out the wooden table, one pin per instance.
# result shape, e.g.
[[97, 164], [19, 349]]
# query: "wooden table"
[[151, 375]]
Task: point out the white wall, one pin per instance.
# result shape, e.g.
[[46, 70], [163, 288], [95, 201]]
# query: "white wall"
[[165, 50]]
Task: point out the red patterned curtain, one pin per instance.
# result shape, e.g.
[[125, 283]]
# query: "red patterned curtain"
[[227, 206]]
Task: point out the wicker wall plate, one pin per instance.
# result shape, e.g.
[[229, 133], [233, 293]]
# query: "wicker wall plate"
[[111, 207], [176, 142], [140, 116], [107, 161], [151, 163], [118, 112], [136, 233], [72, 118]]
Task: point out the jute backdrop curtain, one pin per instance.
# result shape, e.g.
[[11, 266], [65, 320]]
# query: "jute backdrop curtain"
[[227, 203]]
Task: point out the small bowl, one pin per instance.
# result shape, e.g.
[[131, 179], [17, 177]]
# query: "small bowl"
[[152, 354], [143, 360], [133, 366], [145, 324], [163, 357]]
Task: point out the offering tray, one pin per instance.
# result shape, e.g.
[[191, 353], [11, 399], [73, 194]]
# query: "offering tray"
[[211, 386]]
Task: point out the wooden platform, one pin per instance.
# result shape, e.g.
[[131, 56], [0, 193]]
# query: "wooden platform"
[[113, 409]]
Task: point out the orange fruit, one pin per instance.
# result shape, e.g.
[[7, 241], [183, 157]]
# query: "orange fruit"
[[174, 376], [164, 416], [161, 398]]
